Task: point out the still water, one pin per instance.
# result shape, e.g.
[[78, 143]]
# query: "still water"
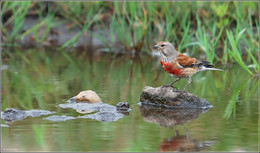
[[44, 78]]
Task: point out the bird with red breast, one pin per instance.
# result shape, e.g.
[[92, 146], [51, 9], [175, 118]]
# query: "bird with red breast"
[[179, 65]]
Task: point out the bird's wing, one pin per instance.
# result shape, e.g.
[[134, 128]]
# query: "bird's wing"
[[186, 61]]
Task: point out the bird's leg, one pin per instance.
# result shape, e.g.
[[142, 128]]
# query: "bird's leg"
[[170, 85], [186, 131], [176, 133], [187, 83]]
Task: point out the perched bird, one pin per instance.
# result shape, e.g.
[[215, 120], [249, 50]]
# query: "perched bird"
[[179, 65]]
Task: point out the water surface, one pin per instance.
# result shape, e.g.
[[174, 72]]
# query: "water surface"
[[43, 78]]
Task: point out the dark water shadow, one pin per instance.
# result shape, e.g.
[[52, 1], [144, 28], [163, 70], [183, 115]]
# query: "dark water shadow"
[[170, 117]]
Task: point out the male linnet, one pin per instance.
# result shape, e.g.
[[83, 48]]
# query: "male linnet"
[[179, 65]]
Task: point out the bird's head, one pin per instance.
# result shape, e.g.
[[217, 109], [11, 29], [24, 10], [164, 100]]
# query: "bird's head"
[[166, 49]]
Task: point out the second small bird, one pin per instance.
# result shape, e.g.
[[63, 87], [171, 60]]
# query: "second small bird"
[[179, 65]]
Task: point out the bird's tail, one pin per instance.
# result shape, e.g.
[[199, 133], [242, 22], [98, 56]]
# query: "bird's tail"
[[205, 65], [207, 68]]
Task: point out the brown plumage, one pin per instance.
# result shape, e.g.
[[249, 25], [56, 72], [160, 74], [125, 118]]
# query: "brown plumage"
[[185, 61], [179, 65]]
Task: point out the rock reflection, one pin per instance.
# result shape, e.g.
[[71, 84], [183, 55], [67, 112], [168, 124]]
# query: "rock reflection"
[[169, 117]]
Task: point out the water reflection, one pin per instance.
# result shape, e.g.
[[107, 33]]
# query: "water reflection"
[[169, 117], [182, 143]]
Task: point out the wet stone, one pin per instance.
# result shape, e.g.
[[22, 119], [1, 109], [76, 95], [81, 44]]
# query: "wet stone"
[[88, 96], [103, 112], [167, 96], [122, 106], [37, 113], [59, 118], [104, 116], [72, 100], [94, 107], [12, 114]]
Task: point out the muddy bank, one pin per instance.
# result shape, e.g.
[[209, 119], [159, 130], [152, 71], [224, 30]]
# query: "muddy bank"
[[168, 96], [60, 34]]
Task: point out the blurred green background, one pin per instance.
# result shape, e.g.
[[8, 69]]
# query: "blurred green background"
[[53, 50], [226, 32]]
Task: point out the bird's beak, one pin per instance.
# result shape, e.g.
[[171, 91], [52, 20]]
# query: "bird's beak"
[[156, 47]]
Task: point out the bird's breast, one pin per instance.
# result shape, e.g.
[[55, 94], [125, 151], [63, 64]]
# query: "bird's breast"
[[171, 68]]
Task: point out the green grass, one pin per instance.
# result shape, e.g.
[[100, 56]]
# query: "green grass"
[[225, 32], [17, 18]]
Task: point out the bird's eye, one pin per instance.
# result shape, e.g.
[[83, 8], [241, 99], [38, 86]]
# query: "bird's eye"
[[162, 45]]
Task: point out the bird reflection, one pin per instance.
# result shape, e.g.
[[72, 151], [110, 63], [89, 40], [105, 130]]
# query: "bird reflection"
[[169, 117]]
